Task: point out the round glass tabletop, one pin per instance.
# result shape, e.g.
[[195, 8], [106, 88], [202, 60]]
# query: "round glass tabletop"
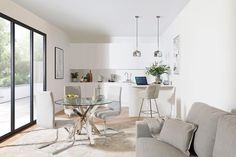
[[82, 102]]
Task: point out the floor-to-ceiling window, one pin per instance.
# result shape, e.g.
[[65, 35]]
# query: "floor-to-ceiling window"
[[5, 76], [22, 74]]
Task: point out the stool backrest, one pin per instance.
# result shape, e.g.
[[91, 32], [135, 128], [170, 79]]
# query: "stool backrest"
[[152, 91], [45, 109]]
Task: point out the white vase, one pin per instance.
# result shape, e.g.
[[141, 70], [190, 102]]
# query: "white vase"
[[158, 79]]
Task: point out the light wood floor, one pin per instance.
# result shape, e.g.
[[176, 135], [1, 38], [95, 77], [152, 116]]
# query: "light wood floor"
[[123, 118]]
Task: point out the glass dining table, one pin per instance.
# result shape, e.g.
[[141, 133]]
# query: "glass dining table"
[[84, 108]]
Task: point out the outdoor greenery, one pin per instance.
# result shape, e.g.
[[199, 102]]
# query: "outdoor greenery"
[[4, 53], [22, 54], [156, 70]]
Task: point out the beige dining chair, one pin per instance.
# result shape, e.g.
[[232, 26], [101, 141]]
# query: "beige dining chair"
[[69, 110], [113, 109], [45, 108]]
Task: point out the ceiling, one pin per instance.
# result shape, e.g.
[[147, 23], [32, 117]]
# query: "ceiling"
[[99, 20]]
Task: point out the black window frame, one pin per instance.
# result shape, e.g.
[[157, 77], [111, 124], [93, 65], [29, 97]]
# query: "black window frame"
[[13, 22]]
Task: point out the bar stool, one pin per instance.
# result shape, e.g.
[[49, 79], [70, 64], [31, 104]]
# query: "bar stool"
[[150, 93]]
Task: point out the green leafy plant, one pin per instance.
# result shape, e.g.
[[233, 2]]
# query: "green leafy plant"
[[156, 70], [74, 75]]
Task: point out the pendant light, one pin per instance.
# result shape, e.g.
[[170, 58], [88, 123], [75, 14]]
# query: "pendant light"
[[158, 53], [137, 53]]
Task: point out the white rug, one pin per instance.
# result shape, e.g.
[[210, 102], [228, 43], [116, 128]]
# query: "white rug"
[[120, 145]]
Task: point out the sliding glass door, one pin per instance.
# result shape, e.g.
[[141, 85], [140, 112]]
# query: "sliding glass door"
[[38, 60], [22, 74], [5, 77]]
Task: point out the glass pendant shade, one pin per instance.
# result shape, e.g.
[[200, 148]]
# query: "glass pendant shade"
[[137, 53], [158, 53]]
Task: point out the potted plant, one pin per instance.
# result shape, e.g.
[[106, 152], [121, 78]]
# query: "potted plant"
[[74, 76], [157, 70]]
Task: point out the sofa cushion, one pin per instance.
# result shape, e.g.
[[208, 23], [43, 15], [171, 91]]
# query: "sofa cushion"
[[225, 143], [206, 118], [178, 133], [151, 147]]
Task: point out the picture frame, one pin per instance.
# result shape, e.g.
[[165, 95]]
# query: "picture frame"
[[59, 63], [176, 53]]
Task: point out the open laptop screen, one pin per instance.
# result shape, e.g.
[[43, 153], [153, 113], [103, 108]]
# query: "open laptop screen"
[[141, 80]]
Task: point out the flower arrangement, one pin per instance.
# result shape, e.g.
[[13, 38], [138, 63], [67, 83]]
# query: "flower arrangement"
[[157, 70], [71, 96]]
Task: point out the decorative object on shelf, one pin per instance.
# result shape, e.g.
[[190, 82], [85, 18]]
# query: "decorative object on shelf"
[[137, 53], [82, 79], [157, 70], [59, 63], [113, 78], [158, 53], [100, 78], [89, 77], [176, 49], [74, 76]]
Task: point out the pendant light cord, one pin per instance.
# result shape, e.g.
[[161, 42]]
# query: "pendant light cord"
[[136, 32], [158, 33]]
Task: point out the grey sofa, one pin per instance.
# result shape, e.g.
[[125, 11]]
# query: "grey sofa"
[[203, 144]]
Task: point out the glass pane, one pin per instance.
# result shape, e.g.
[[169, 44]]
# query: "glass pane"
[[22, 76], [5, 78], [38, 65]]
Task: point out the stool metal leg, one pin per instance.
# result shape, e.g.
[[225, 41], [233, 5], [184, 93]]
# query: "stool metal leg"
[[140, 109], [157, 107], [150, 101]]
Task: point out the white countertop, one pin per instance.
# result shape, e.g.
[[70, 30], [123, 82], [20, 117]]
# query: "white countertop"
[[145, 86], [123, 83]]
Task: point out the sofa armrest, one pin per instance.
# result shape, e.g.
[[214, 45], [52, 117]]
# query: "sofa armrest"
[[142, 129]]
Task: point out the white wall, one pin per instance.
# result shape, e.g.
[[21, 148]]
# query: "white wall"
[[208, 51], [115, 55], [55, 37]]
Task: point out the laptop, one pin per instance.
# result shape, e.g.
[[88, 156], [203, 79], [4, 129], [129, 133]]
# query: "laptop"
[[141, 80]]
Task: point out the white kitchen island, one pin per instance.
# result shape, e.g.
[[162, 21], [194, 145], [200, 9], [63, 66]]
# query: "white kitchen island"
[[130, 95]]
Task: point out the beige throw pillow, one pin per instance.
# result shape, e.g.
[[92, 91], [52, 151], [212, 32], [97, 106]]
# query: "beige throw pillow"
[[155, 125], [178, 134]]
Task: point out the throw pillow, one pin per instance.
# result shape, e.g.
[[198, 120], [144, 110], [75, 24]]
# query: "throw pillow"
[[178, 134], [155, 125]]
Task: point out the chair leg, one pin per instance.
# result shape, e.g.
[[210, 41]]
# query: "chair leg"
[[140, 109], [67, 147], [150, 101], [105, 126], [50, 143], [157, 107]]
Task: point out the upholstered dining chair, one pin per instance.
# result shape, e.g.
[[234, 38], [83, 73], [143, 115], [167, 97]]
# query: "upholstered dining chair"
[[45, 108], [113, 109], [69, 110], [150, 93]]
